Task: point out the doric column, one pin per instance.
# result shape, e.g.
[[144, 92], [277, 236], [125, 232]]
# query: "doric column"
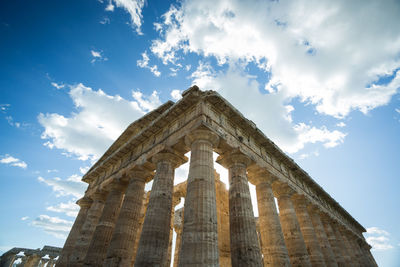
[[291, 229], [175, 201], [120, 250], [307, 229], [332, 239], [154, 240], [245, 249], [366, 249], [88, 227], [43, 261], [200, 231], [140, 225], [350, 250], [359, 253], [52, 261], [102, 235], [273, 243], [178, 224], [341, 243], [323, 241], [69, 245], [32, 260], [8, 259]]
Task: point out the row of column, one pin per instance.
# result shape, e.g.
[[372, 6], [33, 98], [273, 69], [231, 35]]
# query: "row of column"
[[105, 230], [29, 260]]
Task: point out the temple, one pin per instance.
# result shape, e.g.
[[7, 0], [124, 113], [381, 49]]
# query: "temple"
[[119, 224]]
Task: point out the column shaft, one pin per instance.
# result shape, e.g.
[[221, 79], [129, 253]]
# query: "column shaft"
[[200, 232], [120, 250], [88, 227], [333, 241], [154, 240], [245, 249], [291, 230], [353, 258], [68, 248], [274, 248], [103, 233], [307, 229], [342, 245], [323, 241]]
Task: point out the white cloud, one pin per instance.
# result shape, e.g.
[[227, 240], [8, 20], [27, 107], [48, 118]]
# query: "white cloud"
[[97, 56], [110, 7], [70, 208], [58, 86], [8, 159], [144, 63], [4, 107], [397, 110], [326, 53], [83, 170], [176, 94], [134, 8], [53, 225], [378, 238], [64, 187], [341, 124], [105, 20], [270, 112], [24, 218], [97, 122]]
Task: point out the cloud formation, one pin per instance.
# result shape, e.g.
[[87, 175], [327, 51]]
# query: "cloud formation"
[[55, 226], [10, 160], [144, 63], [99, 119], [72, 186], [378, 238], [330, 54], [70, 208], [96, 56], [133, 7]]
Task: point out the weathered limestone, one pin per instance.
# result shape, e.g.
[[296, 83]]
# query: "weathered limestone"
[[307, 229], [332, 239], [32, 260], [200, 232], [350, 251], [291, 230], [273, 244], [88, 227], [154, 239], [68, 248], [341, 243], [323, 241], [178, 225], [7, 260], [245, 250], [120, 250], [102, 235]]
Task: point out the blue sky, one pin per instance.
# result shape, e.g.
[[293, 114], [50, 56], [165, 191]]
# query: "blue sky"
[[319, 78]]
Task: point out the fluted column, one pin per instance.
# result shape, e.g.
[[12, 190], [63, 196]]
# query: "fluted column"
[[366, 249], [245, 249], [359, 254], [52, 261], [7, 260], [291, 229], [178, 224], [332, 239], [307, 229], [32, 260], [200, 231], [68, 248], [175, 201], [323, 241], [353, 258], [103, 233], [120, 250], [88, 227], [44, 261], [273, 243], [341, 244], [154, 240]]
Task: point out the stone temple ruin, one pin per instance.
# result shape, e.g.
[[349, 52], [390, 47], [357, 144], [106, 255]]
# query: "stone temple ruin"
[[121, 225], [25, 257]]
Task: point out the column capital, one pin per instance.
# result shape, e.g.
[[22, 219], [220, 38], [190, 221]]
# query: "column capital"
[[138, 172], [202, 134], [300, 200], [282, 189], [84, 202], [235, 156], [169, 155], [261, 176]]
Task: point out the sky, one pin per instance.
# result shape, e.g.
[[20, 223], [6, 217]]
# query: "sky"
[[320, 78]]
